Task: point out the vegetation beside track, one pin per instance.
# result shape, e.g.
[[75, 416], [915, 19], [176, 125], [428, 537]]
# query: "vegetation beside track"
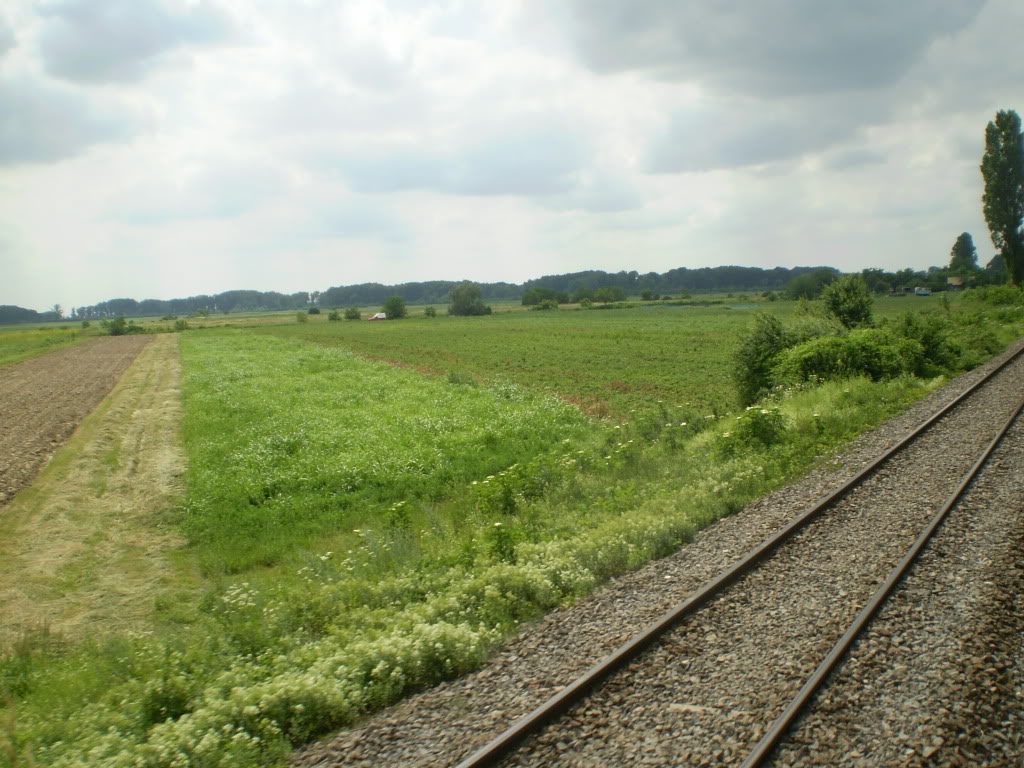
[[424, 519]]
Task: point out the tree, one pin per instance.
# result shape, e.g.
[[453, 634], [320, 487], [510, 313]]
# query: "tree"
[[352, 313], [394, 307], [811, 284], [963, 259], [465, 300], [609, 293], [1002, 168], [849, 299]]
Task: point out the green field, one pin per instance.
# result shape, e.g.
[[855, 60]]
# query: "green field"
[[375, 506], [21, 342]]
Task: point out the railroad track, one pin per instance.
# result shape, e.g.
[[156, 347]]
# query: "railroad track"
[[706, 682]]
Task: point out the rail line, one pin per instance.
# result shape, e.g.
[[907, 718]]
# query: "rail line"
[[548, 712]]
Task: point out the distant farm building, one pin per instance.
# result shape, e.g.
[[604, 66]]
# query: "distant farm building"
[[955, 283]]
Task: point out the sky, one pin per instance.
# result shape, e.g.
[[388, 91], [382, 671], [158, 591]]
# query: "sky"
[[167, 148]]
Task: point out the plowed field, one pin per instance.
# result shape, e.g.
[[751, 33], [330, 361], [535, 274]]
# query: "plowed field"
[[42, 400]]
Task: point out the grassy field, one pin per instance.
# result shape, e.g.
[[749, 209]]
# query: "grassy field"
[[21, 342], [362, 529]]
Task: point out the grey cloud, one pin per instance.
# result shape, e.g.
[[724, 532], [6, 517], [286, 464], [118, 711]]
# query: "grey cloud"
[[359, 219], [742, 134], [7, 38], [853, 158], [530, 162], [770, 47], [596, 192], [120, 40], [43, 122], [224, 190]]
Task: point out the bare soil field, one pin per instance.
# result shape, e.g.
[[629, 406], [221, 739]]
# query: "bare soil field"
[[88, 547], [42, 400]]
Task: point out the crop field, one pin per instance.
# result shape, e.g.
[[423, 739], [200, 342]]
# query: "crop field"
[[368, 508], [20, 343]]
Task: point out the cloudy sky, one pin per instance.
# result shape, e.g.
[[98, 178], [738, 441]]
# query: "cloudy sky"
[[163, 148]]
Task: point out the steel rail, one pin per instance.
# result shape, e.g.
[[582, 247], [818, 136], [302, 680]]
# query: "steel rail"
[[492, 751], [764, 748]]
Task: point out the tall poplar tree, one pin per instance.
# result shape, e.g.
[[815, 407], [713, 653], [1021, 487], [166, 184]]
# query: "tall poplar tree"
[[963, 259], [1002, 167]]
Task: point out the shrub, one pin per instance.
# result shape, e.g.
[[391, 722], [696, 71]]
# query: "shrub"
[[394, 308], [546, 304], [352, 313], [586, 303], [871, 352], [752, 365], [757, 428], [998, 295], [121, 327], [181, 325], [333, 316], [430, 312], [86, 323], [849, 299], [940, 353], [302, 317], [313, 311]]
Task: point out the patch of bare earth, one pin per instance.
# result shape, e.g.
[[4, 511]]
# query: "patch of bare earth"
[[42, 400], [88, 547]]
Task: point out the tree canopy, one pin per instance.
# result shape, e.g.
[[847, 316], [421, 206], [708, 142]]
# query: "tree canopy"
[[1002, 167], [465, 300], [394, 307], [963, 258], [849, 299]]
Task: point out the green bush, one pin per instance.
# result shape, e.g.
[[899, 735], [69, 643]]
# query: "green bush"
[[849, 299], [352, 313], [430, 312], [752, 365], [333, 316], [313, 311], [181, 325], [870, 352], [756, 428], [940, 352], [302, 317], [121, 327], [394, 307], [997, 295], [546, 304]]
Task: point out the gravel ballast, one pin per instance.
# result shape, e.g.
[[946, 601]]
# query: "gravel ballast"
[[705, 694]]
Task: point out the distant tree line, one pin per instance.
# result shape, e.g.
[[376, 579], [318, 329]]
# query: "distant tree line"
[[10, 314], [593, 285], [431, 292], [675, 281]]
